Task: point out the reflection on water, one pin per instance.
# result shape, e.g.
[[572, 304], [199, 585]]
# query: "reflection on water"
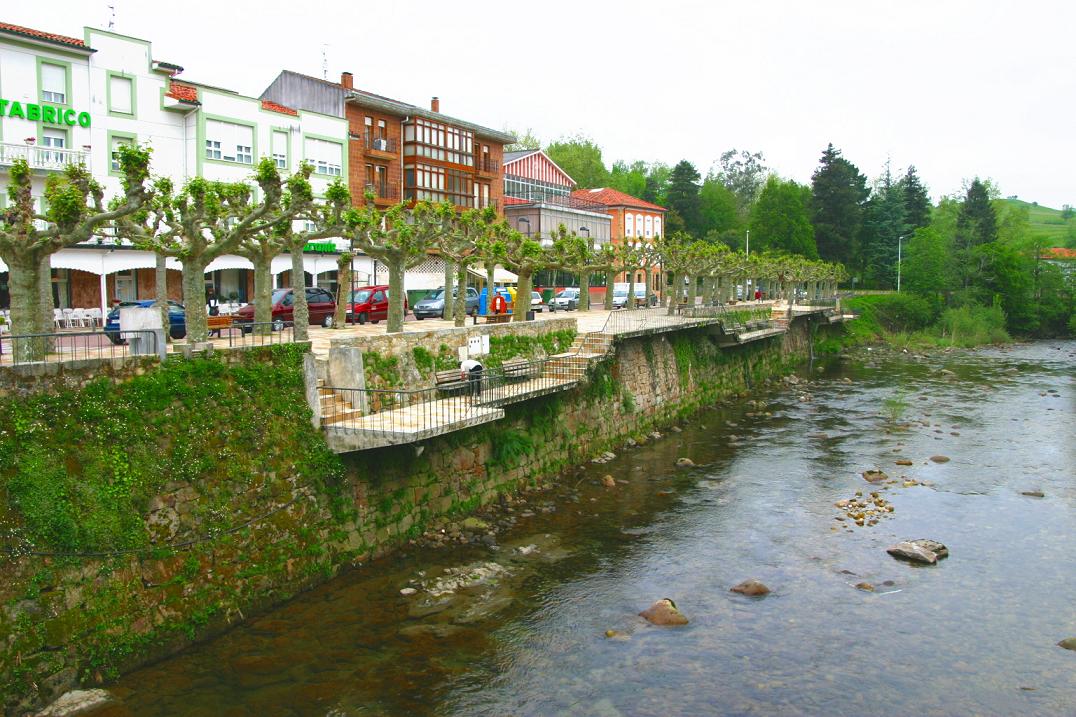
[[524, 634]]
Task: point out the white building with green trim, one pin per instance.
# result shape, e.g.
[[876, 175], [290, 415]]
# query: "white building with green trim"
[[65, 99]]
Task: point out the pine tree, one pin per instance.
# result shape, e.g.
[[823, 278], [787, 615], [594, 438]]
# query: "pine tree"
[[839, 191], [683, 195], [976, 227], [884, 227], [917, 204], [780, 219]]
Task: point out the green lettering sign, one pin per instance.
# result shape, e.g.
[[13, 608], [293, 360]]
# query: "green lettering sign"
[[321, 247], [46, 114]]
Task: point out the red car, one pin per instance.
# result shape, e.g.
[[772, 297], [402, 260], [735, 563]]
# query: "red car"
[[320, 302], [370, 303]]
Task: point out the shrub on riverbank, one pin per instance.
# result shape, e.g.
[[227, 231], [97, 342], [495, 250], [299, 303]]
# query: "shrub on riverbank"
[[908, 321]]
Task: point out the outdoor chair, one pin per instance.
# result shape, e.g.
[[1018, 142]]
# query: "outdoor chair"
[[58, 318]]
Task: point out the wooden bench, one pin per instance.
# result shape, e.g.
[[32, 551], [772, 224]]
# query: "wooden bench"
[[498, 318], [449, 380], [519, 369], [216, 324]]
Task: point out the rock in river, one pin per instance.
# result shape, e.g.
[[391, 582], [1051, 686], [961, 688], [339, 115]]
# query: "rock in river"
[[1069, 643], [874, 476], [940, 459], [751, 588], [903, 462], [922, 550], [609, 481], [685, 463], [1033, 493], [664, 612], [77, 702]]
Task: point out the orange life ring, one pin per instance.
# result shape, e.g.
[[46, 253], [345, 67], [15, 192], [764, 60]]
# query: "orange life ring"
[[499, 304]]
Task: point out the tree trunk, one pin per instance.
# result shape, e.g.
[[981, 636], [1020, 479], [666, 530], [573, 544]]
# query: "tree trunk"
[[629, 302], [646, 288], [45, 323], [584, 290], [160, 282], [449, 312], [523, 292], [300, 309], [674, 294], [24, 279], [396, 296], [194, 299], [692, 291], [460, 302], [263, 295], [343, 293], [610, 277]]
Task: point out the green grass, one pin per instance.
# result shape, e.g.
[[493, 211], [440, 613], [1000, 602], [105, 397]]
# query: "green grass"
[[1045, 221]]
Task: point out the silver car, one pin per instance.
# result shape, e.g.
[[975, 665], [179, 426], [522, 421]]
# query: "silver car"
[[566, 300]]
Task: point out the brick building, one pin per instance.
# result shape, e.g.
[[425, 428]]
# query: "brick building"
[[633, 220]]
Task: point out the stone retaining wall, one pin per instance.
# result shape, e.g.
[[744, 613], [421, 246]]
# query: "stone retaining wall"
[[258, 541]]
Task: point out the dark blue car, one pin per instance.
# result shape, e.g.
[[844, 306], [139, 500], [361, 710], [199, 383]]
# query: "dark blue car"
[[177, 320]]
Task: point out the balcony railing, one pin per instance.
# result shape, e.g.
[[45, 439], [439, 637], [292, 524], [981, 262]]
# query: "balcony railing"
[[47, 158], [383, 190], [379, 144], [487, 165]]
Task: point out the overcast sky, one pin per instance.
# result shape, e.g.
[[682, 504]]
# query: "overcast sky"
[[957, 88]]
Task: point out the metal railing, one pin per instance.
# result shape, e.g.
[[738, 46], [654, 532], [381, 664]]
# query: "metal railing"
[[248, 335], [382, 190], [52, 158], [379, 144], [487, 165], [404, 414], [68, 346]]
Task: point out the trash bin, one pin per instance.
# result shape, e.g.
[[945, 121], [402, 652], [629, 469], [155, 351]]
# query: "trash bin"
[[530, 315]]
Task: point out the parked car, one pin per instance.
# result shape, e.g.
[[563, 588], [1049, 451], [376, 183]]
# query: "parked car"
[[370, 303], [177, 320], [566, 300], [536, 302], [320, 302], [433, 306]]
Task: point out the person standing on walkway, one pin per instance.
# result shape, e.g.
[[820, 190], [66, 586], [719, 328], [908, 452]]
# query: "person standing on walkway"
[[471, 372]]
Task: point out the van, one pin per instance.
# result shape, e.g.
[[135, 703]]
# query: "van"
[[620, 295]]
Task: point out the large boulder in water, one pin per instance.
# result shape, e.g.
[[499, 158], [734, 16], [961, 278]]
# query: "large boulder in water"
[[664, 612], [922, 550], [1069, 643], [685, 463], [751, 588], [874, 476]]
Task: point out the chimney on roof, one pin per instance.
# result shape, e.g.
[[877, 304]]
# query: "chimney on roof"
[[347, 80], [435, 104]]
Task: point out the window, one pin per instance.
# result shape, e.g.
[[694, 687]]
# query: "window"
[[649, 227], [382, 131], [657, 226], [629, 225], [438, 141], [229, 142], [53, 141], [326, 156], [368, 130], [280, 149], [53, 83], [114, 150], [638, 225], [121, 94], [437, 184]]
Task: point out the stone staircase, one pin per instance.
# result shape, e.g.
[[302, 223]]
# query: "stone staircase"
[[334, 407], [594, 344]]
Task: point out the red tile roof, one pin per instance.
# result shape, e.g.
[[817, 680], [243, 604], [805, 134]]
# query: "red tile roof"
[[1060, 252], [38, 34], [181, 92], [614, 198], [274, 107]]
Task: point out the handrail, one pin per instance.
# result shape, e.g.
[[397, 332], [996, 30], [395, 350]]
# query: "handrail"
[[67, 346], [42, 157]]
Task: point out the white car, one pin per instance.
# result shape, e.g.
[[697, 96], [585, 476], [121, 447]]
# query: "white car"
[[566, 300], [536, 302]]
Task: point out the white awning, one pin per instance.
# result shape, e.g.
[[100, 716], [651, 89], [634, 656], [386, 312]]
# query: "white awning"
[[312, 264], [229, 261], [500, 274], [106, 261]]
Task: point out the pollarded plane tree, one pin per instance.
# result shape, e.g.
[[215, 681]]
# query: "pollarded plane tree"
[[459, 245], [575, 254], [301, 219], [74, 212], [202, 222], [676, 259], [391, 237], [629, 260], [650, 257], [713, 269], [523, 255]]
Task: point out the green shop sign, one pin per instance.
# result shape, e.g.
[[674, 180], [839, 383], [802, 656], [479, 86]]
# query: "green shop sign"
[[46, 114], [321, 247]]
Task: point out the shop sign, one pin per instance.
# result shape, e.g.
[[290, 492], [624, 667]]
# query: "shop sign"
[[45, 114]]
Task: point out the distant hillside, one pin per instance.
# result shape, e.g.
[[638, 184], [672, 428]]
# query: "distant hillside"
[[1045, 220]]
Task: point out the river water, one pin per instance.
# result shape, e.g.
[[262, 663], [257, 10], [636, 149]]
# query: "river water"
[[526, 633]]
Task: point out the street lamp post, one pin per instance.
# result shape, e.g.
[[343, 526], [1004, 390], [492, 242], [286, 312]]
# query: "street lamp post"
[[899, 240]]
